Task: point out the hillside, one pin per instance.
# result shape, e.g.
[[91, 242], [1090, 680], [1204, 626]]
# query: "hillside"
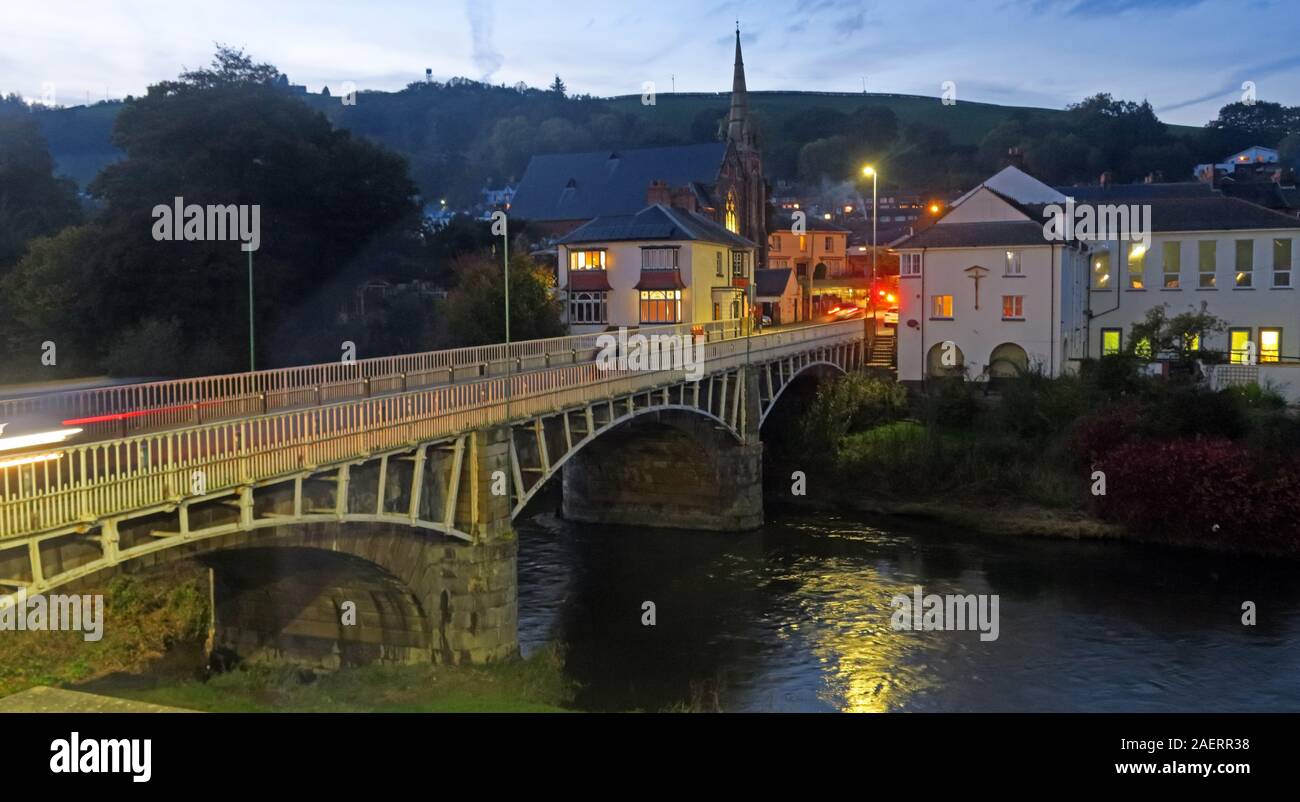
[[461, 135]]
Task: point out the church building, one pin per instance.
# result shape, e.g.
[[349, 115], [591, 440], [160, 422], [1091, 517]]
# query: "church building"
[[722, 181]]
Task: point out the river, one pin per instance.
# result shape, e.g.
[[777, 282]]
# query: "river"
[[797, 617]]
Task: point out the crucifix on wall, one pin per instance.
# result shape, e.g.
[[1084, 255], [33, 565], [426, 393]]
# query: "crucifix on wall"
[[977, 273]]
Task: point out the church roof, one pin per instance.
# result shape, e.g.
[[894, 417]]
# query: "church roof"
[[577, 186], [654, 223]]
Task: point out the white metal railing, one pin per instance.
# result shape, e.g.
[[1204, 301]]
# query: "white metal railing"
[[121, 410], [82, 483]]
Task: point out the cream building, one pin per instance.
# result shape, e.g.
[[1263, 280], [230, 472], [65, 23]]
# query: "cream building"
[[657, 267]]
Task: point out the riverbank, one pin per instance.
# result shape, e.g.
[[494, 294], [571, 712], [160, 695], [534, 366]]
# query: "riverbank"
[[533, 685], [155, 624], [1023, 520]]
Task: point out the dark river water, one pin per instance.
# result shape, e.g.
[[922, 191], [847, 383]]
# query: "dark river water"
[[797, 617]]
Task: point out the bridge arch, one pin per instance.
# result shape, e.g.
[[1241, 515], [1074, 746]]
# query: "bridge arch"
[[818, 365], [614, 424], [417, 598]]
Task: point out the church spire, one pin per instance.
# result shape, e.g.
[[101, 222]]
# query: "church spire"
[[738, 122]]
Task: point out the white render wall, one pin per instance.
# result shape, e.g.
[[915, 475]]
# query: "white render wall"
[[1261, 306], [978, 331]]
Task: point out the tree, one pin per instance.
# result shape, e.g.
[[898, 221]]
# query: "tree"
[[558, 87], [228, 136], [33, 203], [1263, 122], [474, 308], [1182, 336]]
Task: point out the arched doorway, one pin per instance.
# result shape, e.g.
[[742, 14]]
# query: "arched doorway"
[[945, 359], [1008, 361]]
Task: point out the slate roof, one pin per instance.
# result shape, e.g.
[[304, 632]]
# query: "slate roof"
[[1137, 193], [580, 186], [772, 282], [977, 235], [1215, 213], [657, 222]]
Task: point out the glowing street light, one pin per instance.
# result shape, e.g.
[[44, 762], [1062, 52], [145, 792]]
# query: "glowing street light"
[[868, 170]]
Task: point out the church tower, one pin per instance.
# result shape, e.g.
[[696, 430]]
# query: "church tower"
[[738, 121], [743, 190]]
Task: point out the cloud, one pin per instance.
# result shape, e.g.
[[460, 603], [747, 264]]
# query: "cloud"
[[484, 53]]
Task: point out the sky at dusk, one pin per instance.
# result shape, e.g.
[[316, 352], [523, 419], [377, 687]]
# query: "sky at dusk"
[[1188, 57]]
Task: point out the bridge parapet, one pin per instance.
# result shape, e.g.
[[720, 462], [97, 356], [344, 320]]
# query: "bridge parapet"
[[428, 457]]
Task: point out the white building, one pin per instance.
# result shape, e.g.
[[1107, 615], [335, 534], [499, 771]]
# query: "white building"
[[1052, 303], [1255, 154], [659, 266]]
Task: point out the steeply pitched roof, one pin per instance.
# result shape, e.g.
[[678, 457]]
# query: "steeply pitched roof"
[[654, 223], [578, 186], [771, 283]]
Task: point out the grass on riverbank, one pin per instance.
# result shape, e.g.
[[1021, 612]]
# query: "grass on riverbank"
[[144, 617], [534, 685]]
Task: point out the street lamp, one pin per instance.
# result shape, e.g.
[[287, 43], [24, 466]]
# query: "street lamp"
[[871, 171]]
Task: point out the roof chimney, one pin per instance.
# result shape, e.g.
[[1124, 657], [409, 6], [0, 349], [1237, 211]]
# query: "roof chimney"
[[658, 193], [1016, 157], [1107, 178]]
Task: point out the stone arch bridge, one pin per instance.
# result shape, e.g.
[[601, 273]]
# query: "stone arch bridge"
[[406, 471]]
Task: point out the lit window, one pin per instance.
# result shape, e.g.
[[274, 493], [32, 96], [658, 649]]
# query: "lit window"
[[941, 306], [658, 258], [1240, 347], [911, 264], [1013, 263], [1111, 340], [1143, 347], [1013, 307], [661, 306], [1207, 257], [1281, 263], [803, 242], [1270, 345], [733, 222], [587, 260], [1172, 257], [587, 307], [1137, 262], [1194, 343], [1245, 262], [1101, 270]]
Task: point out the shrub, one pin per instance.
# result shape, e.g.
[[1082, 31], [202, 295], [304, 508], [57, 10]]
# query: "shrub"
[[1193, 490], [852, 403], [1105, 430], [1111, 377], [949, 402], [1036, 406]]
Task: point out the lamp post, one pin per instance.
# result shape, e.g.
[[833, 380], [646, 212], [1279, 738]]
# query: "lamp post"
[[871, 171], [510, 363], [252, 352]]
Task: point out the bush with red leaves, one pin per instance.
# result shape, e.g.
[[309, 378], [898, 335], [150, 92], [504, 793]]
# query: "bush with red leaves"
[[1198, 490]]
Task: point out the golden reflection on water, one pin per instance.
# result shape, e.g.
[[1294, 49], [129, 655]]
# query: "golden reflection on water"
[[871, 668]]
